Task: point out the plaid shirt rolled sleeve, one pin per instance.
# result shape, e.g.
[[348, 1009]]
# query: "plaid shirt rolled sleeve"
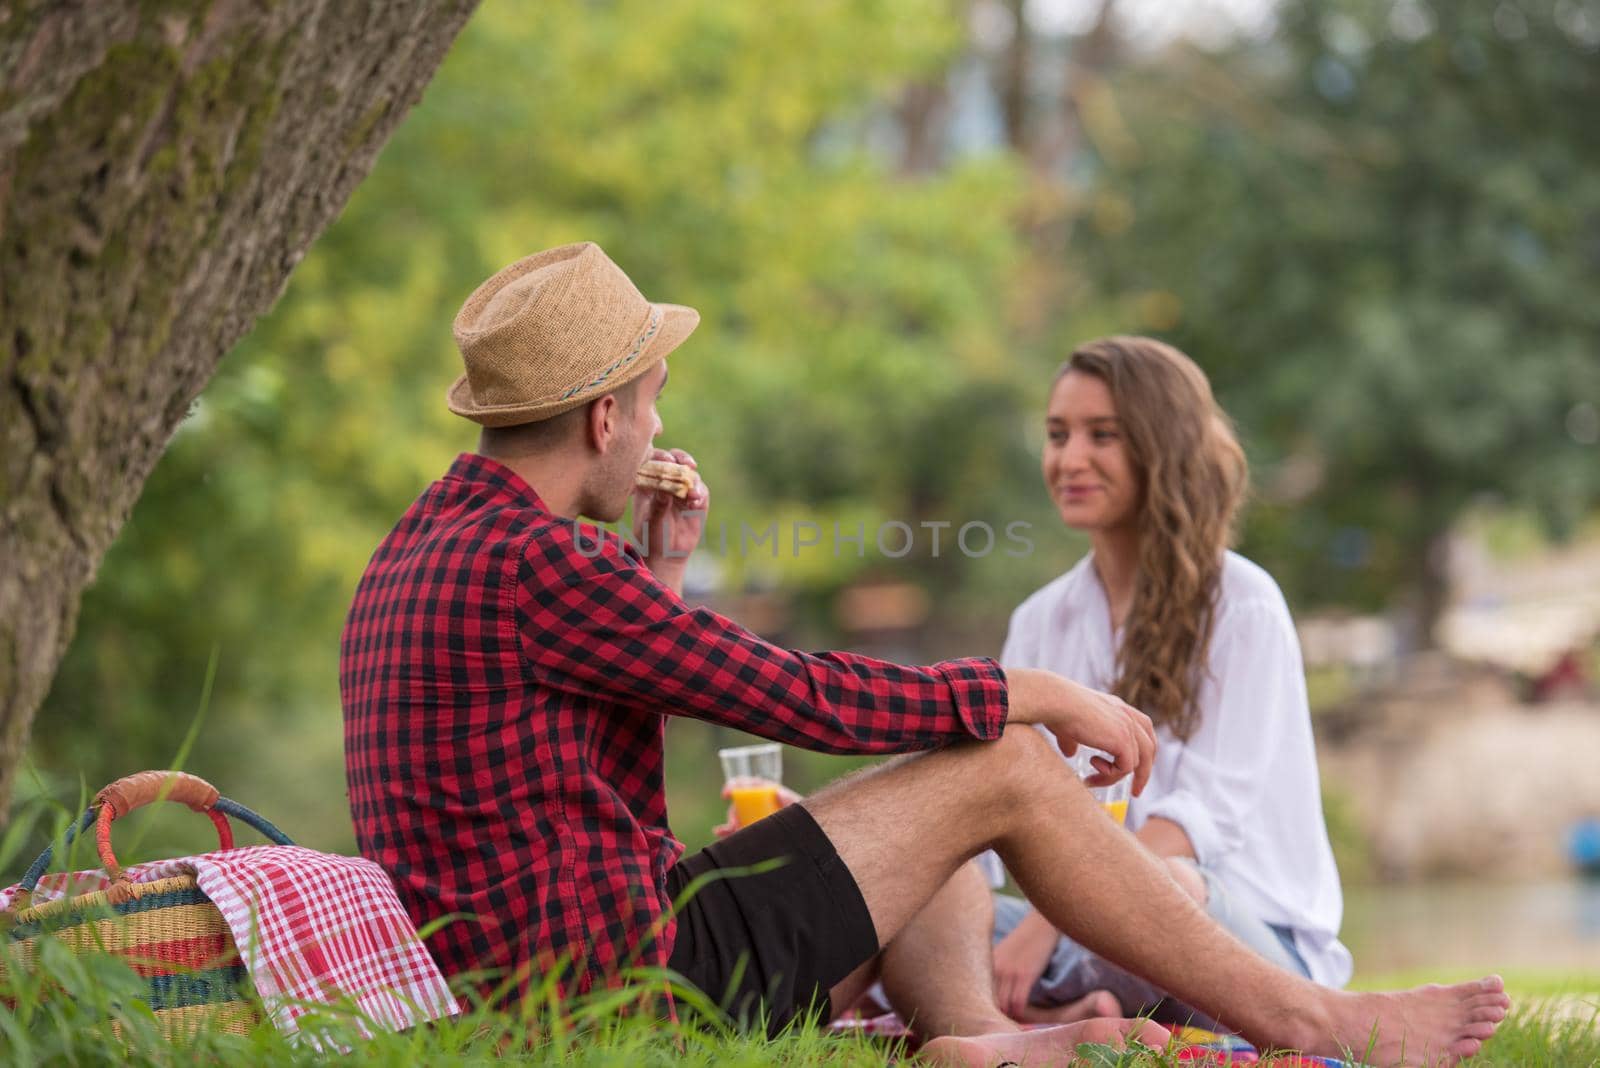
[[506, 675]]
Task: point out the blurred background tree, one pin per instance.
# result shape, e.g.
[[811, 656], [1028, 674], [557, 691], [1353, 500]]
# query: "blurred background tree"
[[1379, 229], [1374, 224]]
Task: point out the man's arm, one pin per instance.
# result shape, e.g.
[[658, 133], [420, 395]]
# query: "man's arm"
[[670, 529], [600, 624], [1077, 715]]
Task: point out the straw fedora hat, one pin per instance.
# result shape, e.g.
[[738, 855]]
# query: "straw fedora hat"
[[555, 330]]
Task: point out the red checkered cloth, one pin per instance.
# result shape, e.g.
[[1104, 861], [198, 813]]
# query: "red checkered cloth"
[[884, 1025], [312, 928]]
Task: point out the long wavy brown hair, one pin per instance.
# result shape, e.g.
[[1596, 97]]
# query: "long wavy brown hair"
[[1193, 478]]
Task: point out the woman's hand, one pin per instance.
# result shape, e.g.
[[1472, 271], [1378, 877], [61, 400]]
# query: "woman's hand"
[[1019, 959], [1077, 715], [670, 528], [1165, 838], [786, 797]]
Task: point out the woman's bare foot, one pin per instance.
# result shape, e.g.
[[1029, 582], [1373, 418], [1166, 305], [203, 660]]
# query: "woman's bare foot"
[[1427, 1025], [1047, 1045], [1091, 1006]]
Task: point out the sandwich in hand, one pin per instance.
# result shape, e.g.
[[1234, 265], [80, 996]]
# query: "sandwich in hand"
[[666, 477]]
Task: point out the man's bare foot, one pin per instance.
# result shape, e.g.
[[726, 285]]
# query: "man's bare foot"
[[1091, 1006], [1427, 1025], [1047, 1045]]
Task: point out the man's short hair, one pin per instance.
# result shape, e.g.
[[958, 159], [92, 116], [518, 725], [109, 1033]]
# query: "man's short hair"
[[546, 434]]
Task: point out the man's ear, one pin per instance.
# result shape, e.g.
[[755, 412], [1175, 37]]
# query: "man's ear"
[[605, 417]]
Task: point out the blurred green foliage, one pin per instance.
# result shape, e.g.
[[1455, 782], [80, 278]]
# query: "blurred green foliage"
[[1380, 232], [1381, 243], [853, 364]]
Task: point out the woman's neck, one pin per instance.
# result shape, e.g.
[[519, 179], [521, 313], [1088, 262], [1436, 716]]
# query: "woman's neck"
[[1116, 563]]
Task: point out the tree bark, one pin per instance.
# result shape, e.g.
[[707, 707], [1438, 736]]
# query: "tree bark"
[[923, 113], [1433, 587], [163, 168], [1014, 75], [1060, 134]]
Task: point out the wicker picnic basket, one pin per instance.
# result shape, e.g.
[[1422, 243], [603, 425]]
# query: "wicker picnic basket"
[[168, 931]]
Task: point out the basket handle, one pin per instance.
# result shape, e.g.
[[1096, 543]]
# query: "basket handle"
[[135, 791], [144, 787]]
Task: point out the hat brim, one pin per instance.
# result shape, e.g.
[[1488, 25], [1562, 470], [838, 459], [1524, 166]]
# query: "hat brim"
[[677, 323]]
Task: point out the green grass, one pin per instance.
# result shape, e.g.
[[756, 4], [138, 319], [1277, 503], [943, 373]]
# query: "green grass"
[[1540, 1035], [84, 1010]]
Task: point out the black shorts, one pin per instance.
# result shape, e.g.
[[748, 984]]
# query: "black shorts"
[[767, 945]]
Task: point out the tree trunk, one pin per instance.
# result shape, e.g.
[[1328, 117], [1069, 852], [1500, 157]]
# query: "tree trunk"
[[163, 167], [1433, 588], [923, 113], [1015, 73], [1060, 133]]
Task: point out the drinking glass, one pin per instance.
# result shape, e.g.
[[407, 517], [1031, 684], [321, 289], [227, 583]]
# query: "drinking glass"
[[1114, 798], [751, 774]]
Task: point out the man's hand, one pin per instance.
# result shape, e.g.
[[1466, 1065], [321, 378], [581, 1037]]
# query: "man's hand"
[[670, 528], [1019, 959], [786, 797], [1077, 715]]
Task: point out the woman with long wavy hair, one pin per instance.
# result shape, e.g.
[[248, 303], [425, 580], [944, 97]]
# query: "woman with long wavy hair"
[[1140, 457]]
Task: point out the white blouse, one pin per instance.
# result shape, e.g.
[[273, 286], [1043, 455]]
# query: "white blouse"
[[1244, 788]]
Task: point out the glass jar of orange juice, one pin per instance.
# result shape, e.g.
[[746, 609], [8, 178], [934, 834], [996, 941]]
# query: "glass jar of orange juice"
[[1114, 798], [751, 776]]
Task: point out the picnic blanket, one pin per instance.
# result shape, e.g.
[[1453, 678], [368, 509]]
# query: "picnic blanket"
[[313, 929], [1196, 1047], [1208, 1047]]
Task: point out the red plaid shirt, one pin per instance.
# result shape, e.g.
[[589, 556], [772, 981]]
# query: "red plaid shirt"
[[505, 691]]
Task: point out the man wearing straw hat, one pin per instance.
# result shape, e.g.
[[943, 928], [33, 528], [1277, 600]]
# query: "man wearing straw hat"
[[506, 681]]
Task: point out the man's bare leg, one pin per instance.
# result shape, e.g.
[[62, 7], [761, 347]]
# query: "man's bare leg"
[[943, 962], [938, 972], [904, 829], [947, 940], [1103, 1002], [939, 966]]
